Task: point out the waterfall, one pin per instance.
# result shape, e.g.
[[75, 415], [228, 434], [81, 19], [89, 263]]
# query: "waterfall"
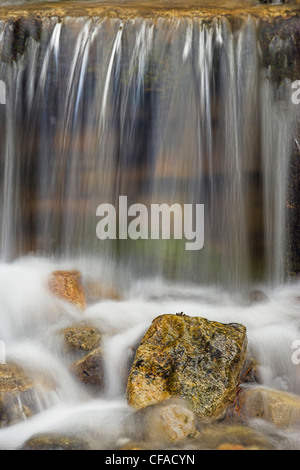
[[181, 110], [165, 111]]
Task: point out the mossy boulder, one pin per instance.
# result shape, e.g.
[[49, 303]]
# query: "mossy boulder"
[[190, 358], [66, 285]]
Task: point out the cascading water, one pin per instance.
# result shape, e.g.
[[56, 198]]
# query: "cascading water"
[[162, 110], [99, 122]]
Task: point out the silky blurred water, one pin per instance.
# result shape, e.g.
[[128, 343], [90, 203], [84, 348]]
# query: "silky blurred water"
[[173, 110], [31, 320]]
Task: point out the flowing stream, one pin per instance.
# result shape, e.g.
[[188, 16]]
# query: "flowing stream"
[[171, 109]]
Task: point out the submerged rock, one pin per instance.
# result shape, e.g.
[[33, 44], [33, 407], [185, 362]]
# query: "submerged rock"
[[190, 358], [128, 445], [223, 436], [15, 391], [55, 442], [258, 296], [280, 408], [89, 370], [66, 285], [171, 422], [231, 447], [14, 379]]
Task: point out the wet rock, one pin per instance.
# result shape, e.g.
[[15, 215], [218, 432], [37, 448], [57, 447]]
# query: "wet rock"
[[55, 442], [20, 396], [66, 285], [190, 358], [89, 370], [14, 379], [280, 408], [222, 436], [132, 446], [169, 423], [81, 338], [249, 371], [235, 447], [14, 407]]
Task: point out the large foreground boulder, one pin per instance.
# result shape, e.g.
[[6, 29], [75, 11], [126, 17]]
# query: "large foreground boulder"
[[190, 358]]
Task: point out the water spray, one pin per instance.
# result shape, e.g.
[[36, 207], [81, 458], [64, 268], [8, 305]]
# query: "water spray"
[[2, 353]]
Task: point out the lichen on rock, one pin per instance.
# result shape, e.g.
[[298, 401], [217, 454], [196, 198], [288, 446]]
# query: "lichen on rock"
[[190, 358], [81, 338]]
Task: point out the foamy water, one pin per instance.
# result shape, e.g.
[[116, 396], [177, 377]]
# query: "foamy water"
[[30, 320]]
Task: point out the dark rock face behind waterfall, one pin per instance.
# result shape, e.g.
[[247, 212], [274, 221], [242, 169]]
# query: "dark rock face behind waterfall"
[[190, 109]]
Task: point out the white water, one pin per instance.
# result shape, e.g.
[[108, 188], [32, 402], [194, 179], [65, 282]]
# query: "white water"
[[30, 323]]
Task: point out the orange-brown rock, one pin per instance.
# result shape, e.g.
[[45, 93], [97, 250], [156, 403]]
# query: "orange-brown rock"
[[231, 447], [66, 285]]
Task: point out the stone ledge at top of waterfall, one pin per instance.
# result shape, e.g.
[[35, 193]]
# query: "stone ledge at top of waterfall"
[[203, 9], [163, 221]]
